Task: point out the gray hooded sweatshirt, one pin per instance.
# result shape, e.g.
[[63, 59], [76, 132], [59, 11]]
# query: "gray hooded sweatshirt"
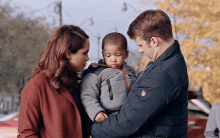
[[104, 89]]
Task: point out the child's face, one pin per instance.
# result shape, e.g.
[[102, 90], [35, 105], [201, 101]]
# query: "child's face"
[[114, 55]]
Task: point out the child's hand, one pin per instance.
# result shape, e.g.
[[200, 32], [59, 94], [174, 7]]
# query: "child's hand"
[[100, 117]]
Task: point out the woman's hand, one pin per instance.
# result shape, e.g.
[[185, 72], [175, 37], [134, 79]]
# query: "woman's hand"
[[100, 117]]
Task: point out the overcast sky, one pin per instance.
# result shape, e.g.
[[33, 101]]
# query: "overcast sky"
[[106, 14]]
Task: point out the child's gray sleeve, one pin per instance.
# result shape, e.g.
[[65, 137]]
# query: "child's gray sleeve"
[[89, 94]]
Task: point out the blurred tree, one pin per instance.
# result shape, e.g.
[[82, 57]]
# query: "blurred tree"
[[196, 24], [21, 41]]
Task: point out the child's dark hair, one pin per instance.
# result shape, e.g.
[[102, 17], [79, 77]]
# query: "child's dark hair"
[[115, 38]]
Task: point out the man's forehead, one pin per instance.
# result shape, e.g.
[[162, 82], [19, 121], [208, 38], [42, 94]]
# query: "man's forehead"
[[138, 39]]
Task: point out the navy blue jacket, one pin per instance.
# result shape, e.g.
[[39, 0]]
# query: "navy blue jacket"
[[157, 103]]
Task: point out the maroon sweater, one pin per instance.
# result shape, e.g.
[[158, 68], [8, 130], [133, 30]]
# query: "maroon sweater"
[[46, 114]]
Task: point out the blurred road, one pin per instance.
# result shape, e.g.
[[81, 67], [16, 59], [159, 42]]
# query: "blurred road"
[[8, 132]]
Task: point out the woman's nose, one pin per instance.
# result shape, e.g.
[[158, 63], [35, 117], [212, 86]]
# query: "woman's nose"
[[87, 58]]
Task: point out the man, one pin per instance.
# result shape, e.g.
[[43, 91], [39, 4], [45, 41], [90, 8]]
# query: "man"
[[157, 103]]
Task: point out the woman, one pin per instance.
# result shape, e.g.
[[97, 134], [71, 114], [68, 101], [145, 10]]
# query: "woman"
[[50, 104]]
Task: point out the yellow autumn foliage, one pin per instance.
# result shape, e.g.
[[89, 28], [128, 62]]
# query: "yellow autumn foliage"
[[196, 25]]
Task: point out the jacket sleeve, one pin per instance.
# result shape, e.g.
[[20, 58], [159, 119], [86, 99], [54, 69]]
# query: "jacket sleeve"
[[89, 94], [29, 114], [148, 97], [211, 125]]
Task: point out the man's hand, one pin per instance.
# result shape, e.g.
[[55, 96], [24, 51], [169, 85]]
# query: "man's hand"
[[100, 117]]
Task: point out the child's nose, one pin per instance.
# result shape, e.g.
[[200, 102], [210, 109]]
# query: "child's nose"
[[113, 58]]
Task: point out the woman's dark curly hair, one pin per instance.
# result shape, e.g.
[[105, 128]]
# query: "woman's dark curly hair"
[[53, 59]]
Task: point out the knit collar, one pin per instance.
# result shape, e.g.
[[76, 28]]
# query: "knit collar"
[[171, 51]]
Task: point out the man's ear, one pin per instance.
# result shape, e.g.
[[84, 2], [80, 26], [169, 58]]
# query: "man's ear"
[[154, 41]]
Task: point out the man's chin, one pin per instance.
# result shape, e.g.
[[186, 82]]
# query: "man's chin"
[[150, 60]]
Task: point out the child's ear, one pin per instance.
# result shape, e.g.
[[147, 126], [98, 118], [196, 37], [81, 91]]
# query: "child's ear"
[[126, 54]]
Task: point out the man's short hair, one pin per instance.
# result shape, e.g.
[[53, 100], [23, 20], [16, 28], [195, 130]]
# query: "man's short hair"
[[151, 23], [115, 38]]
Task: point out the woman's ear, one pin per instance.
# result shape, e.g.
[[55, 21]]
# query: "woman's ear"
[[68, 55]]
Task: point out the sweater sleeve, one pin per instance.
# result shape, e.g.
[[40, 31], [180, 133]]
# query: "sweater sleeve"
[[29, 114], [143, 104], [89, 94], [211, 125]]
